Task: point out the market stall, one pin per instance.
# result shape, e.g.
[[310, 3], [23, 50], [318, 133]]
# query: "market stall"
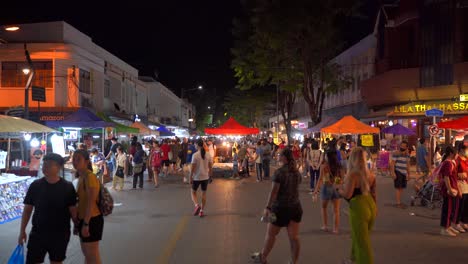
[[81, 119], [13, 187], [164, 132]]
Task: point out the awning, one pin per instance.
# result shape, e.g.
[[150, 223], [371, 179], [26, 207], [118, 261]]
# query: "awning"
[[119, 128], [232, 127], [349, 125], [82, 118], [144, 129], [10, 124]]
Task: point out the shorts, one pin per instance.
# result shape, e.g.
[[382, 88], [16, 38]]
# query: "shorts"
[[400, 181], [53, 244], [284, 215], [173, 161], [96, 227], [327, 193], [166, 163], [204, 185]]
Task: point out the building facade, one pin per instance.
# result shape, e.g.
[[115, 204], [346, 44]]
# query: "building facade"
[[76, 72], [421, 62]]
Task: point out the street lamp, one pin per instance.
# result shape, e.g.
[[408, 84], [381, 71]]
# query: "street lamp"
[[209, 107], [188, 90], [11, 28]]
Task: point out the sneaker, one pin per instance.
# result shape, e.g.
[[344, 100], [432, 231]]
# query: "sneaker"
[[201, 214], [465, 226], [197, 210], [460, 228], [447, 232], [454, 230]]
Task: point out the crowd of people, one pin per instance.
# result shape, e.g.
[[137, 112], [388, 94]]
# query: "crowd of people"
[[336, 169]]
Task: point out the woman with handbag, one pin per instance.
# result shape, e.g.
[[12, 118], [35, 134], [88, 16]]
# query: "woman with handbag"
[[137, 164], [120, 172], [449, 190], [90, 220]]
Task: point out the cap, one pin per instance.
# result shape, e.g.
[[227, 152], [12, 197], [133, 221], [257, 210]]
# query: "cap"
[[114, 138]]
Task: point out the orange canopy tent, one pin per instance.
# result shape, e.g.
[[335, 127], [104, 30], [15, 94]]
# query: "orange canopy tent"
[[349, 125], [232, 127], [143, 129], [461, 124]]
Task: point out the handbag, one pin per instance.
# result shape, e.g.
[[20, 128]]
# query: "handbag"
[[17, 257], [120, 172], [137, 168]]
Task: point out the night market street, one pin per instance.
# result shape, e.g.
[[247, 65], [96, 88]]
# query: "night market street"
[[156, 226]]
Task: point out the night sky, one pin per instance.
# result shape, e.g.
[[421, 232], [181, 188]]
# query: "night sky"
[[187, 42]]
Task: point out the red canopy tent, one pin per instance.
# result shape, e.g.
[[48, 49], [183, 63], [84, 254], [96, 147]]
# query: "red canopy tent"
[[461, 123], [232, 127]]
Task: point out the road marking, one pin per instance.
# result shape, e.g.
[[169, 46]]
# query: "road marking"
[[170, 246]]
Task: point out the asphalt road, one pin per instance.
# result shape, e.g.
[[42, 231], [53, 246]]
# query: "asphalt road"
[[157, 226]]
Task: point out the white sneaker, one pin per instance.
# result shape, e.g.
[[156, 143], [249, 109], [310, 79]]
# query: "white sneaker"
[[447, 232], [459, 228], [454, 230]]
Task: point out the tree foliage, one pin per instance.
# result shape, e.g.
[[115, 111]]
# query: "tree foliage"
[[289, 43]]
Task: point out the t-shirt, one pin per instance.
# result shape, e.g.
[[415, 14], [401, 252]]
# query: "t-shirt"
[[447, 169], [114, 147], [138, 157], [201, 172], [242, 153], [90, 182], [421, 153], [121, 160], [315, 158], [288, 193], [259, 152], [51, 205], [175, 148], [190, 151], [266, 151], [165, 148], [235, 161], [183, 156], [401, 162]]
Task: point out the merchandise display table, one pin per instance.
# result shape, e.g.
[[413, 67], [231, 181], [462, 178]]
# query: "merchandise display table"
[[222, 170], [12, 192]]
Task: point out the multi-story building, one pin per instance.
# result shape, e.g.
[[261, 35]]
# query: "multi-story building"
[[421, 62], [76, 72]]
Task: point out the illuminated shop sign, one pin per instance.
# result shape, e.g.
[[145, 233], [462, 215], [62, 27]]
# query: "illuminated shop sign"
[[422, 108]]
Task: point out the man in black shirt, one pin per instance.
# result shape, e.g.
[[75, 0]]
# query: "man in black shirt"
[[54, 202]]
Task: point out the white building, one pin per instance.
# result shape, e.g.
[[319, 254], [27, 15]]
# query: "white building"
[[76, 72]]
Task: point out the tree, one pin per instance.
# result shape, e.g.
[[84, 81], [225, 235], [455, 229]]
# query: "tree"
[[288, 43]]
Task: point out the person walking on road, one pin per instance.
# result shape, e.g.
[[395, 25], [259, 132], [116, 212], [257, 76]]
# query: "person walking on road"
[[53, 201], [314, 158], [138, 165], [399, 169], [331, 173], [165, 150], [121, 171], [199, 176], [91, 221], [359, 190], [462, 173], [258, 161], [156, 162], [422, 157], [266, 157], [283, 208], [450, 193]]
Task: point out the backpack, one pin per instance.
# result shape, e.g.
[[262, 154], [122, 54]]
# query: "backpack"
[[105, 201], [157, 159]]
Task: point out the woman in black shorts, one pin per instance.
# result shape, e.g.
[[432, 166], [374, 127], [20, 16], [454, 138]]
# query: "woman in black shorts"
[[283, 208]]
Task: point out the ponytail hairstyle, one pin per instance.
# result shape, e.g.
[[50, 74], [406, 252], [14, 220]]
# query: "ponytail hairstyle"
[[448, 151], [85, 155], [333, 164], [200, 144]]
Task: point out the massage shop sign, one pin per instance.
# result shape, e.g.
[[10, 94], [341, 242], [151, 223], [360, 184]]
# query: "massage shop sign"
[[420, 109]]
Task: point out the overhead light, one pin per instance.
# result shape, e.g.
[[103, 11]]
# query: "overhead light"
[[26, 71], [12, 28], [35, 143], [27, 136], [390, 123], [95, 136], [190, 120]]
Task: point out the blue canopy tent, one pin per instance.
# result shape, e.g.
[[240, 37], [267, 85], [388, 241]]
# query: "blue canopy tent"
[[82, 118], [164, 132]]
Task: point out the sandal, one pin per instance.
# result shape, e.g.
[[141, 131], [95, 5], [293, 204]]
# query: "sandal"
[[257, 258]]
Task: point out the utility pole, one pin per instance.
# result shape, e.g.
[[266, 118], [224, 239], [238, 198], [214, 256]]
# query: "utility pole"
[[28, 83]]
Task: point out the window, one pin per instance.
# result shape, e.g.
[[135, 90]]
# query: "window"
[[85, 82], [106, 88], [13, 76]]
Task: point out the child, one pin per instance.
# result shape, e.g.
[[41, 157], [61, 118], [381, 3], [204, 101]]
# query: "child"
[[235, 164]]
